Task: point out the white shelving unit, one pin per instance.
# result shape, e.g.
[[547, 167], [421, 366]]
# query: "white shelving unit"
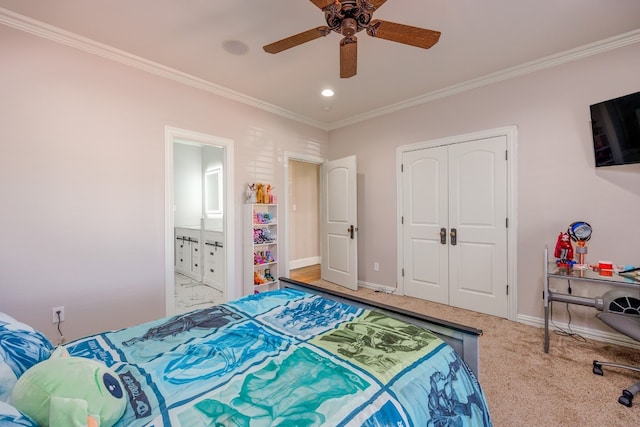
[[260, 248]]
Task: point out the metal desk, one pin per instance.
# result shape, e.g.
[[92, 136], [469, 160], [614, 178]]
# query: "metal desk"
[[551, 271]]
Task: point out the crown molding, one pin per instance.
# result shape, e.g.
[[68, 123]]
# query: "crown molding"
[[550, 61], [58, 35], [46, 31]]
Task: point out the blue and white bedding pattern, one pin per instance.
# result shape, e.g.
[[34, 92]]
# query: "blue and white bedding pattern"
[[287, 358], [21, 347]]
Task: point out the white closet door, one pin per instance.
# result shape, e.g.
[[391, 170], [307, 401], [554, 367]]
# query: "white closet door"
[[478, 213], [460, 187], [424, 214]]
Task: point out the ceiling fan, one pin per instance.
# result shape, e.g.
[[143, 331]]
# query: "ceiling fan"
[[347, 17]]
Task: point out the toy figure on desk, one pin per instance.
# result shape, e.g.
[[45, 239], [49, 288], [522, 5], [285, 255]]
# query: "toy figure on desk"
[[580, 232], [564, 251]]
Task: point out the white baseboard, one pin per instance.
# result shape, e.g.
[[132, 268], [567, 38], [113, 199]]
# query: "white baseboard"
[[303, 262], [594, 334], [378, 288]]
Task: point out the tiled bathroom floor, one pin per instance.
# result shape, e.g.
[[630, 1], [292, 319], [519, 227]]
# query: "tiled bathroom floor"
[[190, 294]]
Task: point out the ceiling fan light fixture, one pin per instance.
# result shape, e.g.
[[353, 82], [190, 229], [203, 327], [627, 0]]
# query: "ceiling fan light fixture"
[[348, 17]]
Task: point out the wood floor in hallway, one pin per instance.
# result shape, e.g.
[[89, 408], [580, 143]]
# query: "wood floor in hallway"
[[307, 274]]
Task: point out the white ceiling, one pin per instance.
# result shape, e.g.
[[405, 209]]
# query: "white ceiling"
[[479, 38]]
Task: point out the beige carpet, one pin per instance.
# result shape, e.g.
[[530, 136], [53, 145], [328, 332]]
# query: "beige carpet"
[[524, 385]]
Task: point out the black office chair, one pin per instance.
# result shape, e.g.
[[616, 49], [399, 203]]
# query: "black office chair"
[[622, 313]]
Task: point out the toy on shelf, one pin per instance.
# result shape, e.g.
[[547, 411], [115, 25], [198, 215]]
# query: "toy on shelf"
[[268, 276], [262, 235], [270, 198], [267, 237], [257, 279], [580, 232], [260, 193], [250, 195], [262, 218], [262, 257], [564, 251], [268, 257]]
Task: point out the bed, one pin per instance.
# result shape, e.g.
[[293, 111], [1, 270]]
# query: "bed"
[[297, 356]]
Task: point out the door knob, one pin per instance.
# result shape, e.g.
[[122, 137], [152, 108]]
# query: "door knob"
[[454, 236], [443, 236]]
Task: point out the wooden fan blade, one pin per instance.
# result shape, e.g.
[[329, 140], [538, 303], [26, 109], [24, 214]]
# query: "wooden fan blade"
[[348, 57], [296, 40], [323, 3], [413, 36]]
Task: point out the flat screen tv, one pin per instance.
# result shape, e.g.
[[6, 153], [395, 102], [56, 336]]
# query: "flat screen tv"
[[616, 130]]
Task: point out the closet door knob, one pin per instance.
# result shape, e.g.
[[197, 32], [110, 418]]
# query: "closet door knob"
[[443, 236], [454, 236]]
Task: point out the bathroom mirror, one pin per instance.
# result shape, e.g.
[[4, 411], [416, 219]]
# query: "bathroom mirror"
[[213, 191]]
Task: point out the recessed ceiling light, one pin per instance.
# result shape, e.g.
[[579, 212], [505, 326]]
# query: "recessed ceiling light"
[[327, 92], [235, 47]]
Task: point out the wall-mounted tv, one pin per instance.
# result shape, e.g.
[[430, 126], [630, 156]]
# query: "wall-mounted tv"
[[616, 130]]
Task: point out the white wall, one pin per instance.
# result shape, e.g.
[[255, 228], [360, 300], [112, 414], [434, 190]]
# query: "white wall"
[[187, 181], [82, 180], [557, 180]]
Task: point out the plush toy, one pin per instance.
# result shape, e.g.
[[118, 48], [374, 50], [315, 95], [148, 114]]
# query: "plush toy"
[[266, 235], [250, 195], [269, 196], [257, 280], [67, 391], [260, 195], [257, 236]]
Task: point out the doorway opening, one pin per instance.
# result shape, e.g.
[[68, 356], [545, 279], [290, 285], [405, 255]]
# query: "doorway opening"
[[302, 224], [334, 216], [199, 220]]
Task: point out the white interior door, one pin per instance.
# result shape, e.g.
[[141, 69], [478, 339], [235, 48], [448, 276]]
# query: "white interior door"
[[425, 211], [338, 222], [454, 210], [478, 213]]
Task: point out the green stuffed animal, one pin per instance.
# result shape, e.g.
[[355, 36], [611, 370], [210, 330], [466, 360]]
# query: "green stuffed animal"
[[67, 391]]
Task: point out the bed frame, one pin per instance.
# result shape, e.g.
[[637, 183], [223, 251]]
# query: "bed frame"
[[463, 339]]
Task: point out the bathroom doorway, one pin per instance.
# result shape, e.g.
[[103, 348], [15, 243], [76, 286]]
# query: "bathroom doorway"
[[199, 220]]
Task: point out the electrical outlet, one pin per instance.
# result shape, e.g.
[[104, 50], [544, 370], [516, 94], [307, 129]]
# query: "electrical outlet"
[[55, 311], [376, 266]]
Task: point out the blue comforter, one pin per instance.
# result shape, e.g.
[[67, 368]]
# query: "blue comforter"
[[287, 358]]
